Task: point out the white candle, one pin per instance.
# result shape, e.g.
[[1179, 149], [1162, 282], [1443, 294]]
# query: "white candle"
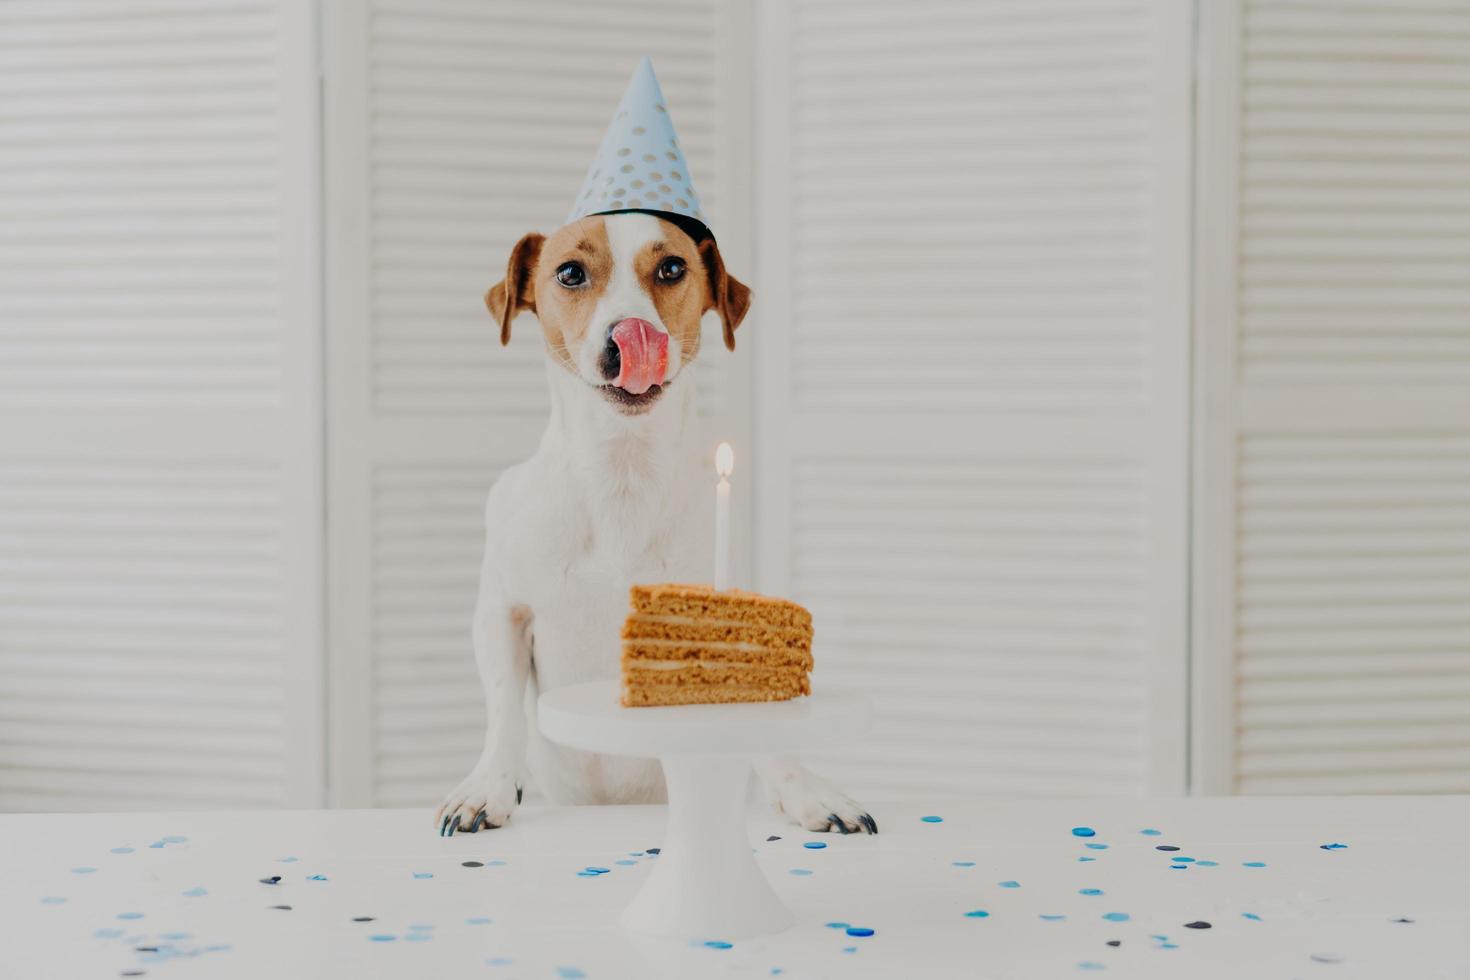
[[724, 466]]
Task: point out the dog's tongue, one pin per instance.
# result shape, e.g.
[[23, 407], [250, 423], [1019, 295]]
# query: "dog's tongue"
[[644, 351]]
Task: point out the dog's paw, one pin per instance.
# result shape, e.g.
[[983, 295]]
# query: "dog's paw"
[[812, 802], [479, 801]]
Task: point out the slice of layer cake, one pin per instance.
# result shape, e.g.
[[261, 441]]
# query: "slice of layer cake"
[[688, 644]]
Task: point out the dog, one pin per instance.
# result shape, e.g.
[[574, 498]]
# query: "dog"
[[616, 494]]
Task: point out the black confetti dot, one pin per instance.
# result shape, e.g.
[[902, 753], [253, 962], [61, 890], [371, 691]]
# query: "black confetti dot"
[[473, 864], [283, 908], [362, 918], [771, 838], [133, 973], [272, 880], [1198, 924], [653, 850], [1166, 847], [1115, 942], [1402, 920], [145, 949]]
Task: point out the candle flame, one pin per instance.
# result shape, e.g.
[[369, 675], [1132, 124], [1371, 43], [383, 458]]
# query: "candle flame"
[[724, 460]]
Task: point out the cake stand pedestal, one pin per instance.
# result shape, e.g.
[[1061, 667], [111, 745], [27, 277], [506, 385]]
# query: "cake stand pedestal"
[[705, 882]]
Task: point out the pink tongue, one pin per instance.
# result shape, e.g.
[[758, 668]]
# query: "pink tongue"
[[644, 353]]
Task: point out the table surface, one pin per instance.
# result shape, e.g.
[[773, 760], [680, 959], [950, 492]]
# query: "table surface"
[[179, 895]]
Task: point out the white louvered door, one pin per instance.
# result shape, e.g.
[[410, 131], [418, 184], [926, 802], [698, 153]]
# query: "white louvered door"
[[160, 599], [452, 129], [972, 389], [1333, 604]]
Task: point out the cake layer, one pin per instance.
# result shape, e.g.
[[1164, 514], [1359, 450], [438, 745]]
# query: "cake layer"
[[691, 629], [678, 651], [646, 672], [703, 602], [637, 695]]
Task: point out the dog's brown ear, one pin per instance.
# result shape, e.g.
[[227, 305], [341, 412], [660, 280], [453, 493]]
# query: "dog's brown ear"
[[728, 295], [518, 290]]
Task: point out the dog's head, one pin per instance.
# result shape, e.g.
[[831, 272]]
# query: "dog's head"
[[620, 297]]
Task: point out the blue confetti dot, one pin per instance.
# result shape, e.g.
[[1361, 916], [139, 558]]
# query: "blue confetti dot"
[[932, 819], [157, 843], [122, 850], [625, 861], [859, 931], [718, 944], [1207, 864], [286, 860], [801, 871], [814, 845], [1089, 891], [52, 900], [1009, 884], [130, 915], [1116, 916], [977, 914], [838, 925], [1253, 864], [569, 973], [382, 938], [324, 877], [1083, 832], [495, 864], [1097, 847], [173, 839], [776, 971], [1090, 965], [82, 871], [1086, 858], [423, 874], [478, 920], [1052, 918], [175, 935], [499, 961], [1182, 860], [598, 871], [1250, 915], [1150, 832], [849, 949], [418, 937], [963, 864], [196, 892], [1168, 945], [1178, 867], [588, 874], [1334, 847]]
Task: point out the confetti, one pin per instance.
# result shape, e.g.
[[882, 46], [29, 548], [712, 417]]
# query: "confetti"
[[324, 877], [814, 845], [1083, 832], [472, 864], [272, 880], [1090, 965], [1206, 864], [1334, 847], [1052, 918], [1401, 920], [800, 872], [1089, 891], [130, 915], [977, 914], [499, 961], [1253, 864], [1326, 958], [1197, 924], [718, 944], [932, 819], [362, 918], [1165, 847], [771, 838], [174, 839], [963, 864], [1150, 832], [382, 937], [838, 925], [859, 931], [654, 850], [625, 861], [478, 920], [52, 900], [569, 973], [422, 874], [283, 908], [1096, 846], [1116, 916], [122, 850], [1183, 860], [1250, 915], [196, 892], [1086, 858], [1009, 884], [598, 871], [1115, 942]]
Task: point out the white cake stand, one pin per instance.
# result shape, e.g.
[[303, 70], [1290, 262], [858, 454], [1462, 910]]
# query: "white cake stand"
[[705, 881]]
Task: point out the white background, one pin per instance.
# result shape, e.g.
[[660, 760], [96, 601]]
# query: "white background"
[[1105, 395]]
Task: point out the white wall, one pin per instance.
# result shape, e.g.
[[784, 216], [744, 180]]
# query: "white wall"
[[240, 491]]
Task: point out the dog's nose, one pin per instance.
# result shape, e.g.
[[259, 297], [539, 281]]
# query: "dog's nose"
[[610, 363]]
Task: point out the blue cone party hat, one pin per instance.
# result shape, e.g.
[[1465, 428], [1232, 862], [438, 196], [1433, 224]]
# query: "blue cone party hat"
[[640, 165]]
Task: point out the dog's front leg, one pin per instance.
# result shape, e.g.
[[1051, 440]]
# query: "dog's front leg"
[[808, 799], [503, 647]]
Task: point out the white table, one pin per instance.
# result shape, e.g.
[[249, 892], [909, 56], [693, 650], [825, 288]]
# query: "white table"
[[1320, 913]]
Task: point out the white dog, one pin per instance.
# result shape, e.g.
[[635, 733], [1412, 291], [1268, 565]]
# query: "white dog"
[[615, 495]]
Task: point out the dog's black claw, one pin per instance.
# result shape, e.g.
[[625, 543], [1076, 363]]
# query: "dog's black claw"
[[868, 822], [477, 823], [519, 791], [839, 823], [454, 827]]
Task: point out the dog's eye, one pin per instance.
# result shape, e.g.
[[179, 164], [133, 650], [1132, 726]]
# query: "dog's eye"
[[671, 270], [571, 275]]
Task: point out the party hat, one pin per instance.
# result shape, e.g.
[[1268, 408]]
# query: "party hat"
[[640, 165]]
